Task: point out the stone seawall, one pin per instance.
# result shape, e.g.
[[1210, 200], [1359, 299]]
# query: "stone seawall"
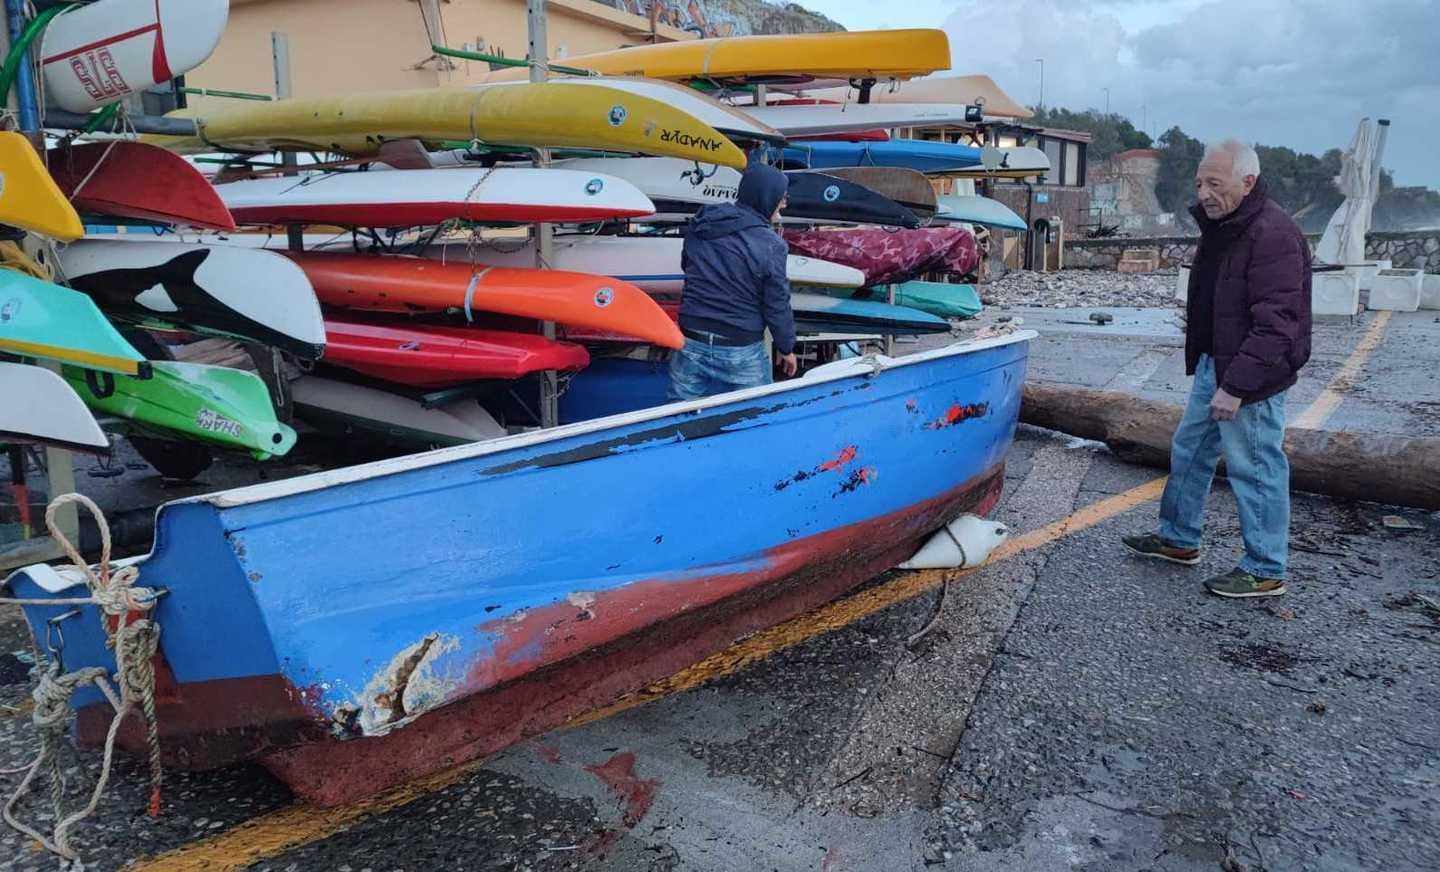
[[1417, 249]]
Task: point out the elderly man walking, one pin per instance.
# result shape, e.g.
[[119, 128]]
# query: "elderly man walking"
[[1247, 336]]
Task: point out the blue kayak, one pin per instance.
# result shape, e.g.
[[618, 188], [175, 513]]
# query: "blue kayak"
[[915, 154]]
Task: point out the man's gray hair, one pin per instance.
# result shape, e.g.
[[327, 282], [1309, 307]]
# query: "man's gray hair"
[[1243, 157]]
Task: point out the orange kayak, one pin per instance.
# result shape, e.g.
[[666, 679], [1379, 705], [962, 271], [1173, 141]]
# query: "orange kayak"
[[394, 283]]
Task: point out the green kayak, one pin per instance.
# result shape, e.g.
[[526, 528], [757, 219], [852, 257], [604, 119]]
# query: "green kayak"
[[229, 408], [40, 319], [937, 298]]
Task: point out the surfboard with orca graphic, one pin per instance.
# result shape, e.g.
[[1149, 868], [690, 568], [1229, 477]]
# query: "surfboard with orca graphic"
[[245, 293]]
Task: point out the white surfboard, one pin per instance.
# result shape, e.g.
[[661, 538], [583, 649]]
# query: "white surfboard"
[[219, 290], [329, 403], [99, 52], [1016, 162], [666, 178], [651, 262], [829, 118], [977, 210], [41, 408], [412, 198]]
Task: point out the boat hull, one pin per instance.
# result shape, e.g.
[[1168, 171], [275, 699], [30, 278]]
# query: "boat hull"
[[352, 664]]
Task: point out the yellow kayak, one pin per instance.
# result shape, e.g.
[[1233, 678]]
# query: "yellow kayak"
[[29, 198], [540, 115], [866, 54]]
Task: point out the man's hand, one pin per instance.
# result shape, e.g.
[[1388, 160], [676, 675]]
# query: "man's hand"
[[1223, 406], [789, 365]]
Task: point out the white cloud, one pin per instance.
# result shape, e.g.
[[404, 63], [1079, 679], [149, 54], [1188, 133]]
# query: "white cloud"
[[1281, 72]]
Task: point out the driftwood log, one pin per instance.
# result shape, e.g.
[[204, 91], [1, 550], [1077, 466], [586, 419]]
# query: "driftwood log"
[[1378, 467]]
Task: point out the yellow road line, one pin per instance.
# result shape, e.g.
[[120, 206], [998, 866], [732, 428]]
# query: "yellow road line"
[[1314, 417], [276, 832]]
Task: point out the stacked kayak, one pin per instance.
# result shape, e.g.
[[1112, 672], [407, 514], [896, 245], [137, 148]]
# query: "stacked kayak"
[[216, 405], [937, 298], [422, 285], [437, 356]]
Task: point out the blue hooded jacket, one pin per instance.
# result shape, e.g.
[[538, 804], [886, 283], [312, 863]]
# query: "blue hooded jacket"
[[734, 265]]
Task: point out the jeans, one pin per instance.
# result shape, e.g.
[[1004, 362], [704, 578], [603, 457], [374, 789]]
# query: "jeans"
[[1255, 464], [701, 370]]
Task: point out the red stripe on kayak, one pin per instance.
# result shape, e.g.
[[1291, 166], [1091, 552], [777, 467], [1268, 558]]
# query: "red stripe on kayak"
[[416, 214], [100, 43], [159, 66]]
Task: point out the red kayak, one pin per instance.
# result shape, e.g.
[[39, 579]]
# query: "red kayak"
[[135, 180], [428, 356]]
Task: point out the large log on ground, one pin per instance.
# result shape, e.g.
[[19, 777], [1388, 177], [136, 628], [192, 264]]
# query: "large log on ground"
[[1400, 470]]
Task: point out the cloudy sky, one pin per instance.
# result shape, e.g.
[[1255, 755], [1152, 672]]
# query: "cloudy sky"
[[1299, 73]]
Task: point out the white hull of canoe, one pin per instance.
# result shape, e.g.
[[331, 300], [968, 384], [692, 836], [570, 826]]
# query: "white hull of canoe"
[[362, 198], [97, 53], [978, 210], [374, 409], [829, 118], [259, 286], [666, 178], [650, 262], [42, 408]]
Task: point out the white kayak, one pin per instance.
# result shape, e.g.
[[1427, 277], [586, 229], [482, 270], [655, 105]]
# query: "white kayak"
[[978, 89], [352, 408], [99, 52], [651, 262], [977, 210], [413, 198], [41, 408], [831, 118], [219, 290]]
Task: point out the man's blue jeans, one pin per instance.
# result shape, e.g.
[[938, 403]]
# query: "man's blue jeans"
[[701, 370], [1255, 463]]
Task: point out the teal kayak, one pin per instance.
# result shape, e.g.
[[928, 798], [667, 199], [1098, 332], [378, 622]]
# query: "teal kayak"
[[937, 298], [216, 405], [41, 319]]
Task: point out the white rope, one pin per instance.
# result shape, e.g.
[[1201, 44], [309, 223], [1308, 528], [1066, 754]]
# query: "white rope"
[[136, 642]]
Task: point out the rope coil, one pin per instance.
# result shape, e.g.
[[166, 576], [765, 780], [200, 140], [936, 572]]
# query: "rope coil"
[[135, 638]]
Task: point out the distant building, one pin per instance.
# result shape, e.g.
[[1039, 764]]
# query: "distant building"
[[1122, 195], [346, 46], [1056, 204]]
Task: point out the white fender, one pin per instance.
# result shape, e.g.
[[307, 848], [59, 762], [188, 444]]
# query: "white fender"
[[964, 543]]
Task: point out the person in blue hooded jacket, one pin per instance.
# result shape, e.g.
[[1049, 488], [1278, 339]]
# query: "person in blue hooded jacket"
[[735, 287]]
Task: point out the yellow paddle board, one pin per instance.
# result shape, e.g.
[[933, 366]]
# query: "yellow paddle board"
[[29, 198], [539, 115], [866, 54]]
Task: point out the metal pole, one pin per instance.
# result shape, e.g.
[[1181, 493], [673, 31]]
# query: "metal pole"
[[1041, 62], [544, 232], [60, 464], [294, 233], [280, 56], [26, 102], [1107, 102]]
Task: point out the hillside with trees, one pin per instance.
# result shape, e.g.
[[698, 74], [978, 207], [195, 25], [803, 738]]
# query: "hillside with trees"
[[1303, 183]]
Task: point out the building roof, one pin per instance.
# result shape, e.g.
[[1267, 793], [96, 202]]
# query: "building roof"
[[1060, 133]]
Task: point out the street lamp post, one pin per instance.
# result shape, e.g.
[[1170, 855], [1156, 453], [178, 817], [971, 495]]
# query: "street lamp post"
[[1107, 102], [1041, 62]]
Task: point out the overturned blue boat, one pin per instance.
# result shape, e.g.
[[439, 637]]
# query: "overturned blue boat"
[[357, 628]]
